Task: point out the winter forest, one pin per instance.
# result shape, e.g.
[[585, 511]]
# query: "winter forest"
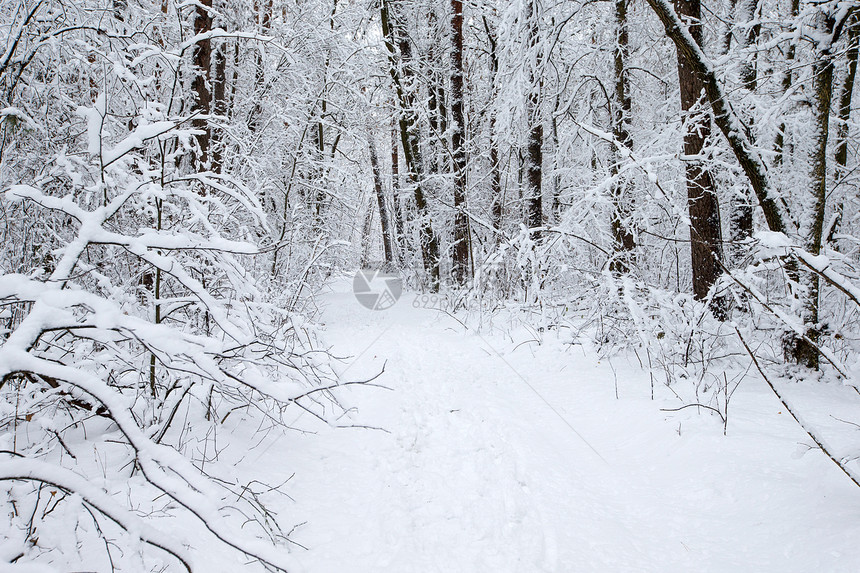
[[348, 286]]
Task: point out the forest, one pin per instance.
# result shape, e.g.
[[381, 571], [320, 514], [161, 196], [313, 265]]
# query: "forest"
[[661, 197]]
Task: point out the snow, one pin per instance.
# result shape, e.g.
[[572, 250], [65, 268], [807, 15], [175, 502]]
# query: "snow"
[[95, 118], [500, 454], [136, 139], [773, 240]]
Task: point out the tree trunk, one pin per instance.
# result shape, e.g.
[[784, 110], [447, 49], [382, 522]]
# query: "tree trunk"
[[738, 137], [623, 240], [805, 351], [779, 143], [497, 199], [401, 76], [705, 229], [741, 219], [202, 72], [264, 19], [219, 104], [396, 196], [366, 234], [460, 267], [384, 220], [843, 114], [320, 170], [534, 144]]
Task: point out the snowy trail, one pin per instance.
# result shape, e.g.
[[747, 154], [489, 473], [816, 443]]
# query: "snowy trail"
[[477, 472]]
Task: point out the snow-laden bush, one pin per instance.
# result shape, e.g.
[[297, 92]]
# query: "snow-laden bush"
[[142, 309], [97, 365]]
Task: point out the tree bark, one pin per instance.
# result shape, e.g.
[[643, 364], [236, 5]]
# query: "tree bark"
[[534, 144], [410, 136], [623, 240], [384, 219], [497, 198], [219, 104], [741, 219], [396, 195], [738, 137], [843, 112], [804, 350], [202, 76], [703, 206], [460, 268], [779, 143]]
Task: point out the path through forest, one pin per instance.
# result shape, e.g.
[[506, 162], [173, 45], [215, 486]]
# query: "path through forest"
[[504, 456]]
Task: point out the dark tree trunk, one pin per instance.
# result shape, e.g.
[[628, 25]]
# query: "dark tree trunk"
[[846, 94], [401, 76], [497, 198], [805, 351], [741, 219], [534, 144], [219, 104], [738, 137], [779, 143], [396, 196], [624, 243], [460, 268], [705, 229], [384, 220], [534, 170], [202, 71]]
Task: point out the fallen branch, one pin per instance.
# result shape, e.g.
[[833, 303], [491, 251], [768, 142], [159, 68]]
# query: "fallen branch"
[[789, 409]]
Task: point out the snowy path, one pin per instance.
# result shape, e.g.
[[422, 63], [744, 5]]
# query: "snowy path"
[[479, 473]]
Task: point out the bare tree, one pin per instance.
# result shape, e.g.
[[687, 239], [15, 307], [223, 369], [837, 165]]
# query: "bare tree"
[[461, 245]]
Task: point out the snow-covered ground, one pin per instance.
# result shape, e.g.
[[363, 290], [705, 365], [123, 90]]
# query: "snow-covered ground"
[[500, 455]]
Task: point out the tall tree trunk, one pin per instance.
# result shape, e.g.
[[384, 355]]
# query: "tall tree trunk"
[[534, 143], [460, 268], [219, 104], [741, 219], [399, 65], [320, 171], [366, 241], [263, 10], [843, 114], [739, 138], [396, 196], [384, 219], [624, 243], [779, 143], [202, 75], [705, 229], [804, 350], [497, 198]]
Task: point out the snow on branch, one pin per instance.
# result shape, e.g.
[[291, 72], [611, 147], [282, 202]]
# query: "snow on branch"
[[24, 469], [736, 133]]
